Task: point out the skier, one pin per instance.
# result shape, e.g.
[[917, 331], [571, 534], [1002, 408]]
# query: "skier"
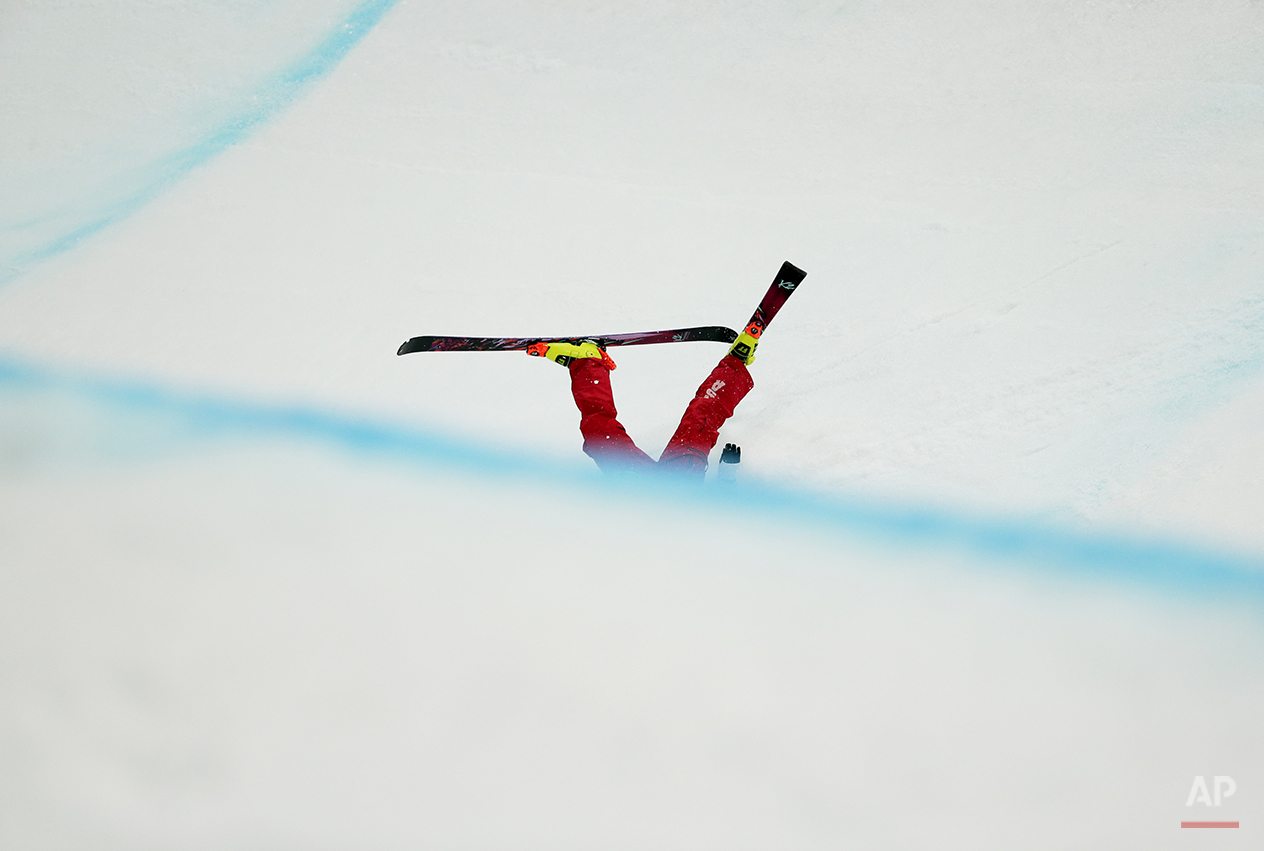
[[605, 439]]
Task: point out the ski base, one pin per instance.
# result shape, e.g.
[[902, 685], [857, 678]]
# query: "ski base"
[[707, 333], [788, 278]]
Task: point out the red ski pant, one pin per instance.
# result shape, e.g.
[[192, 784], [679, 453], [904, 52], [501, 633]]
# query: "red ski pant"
[[607, 442]]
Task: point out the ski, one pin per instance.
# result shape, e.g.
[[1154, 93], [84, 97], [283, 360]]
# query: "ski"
[[783, 286], [709, 333], [787, 279]]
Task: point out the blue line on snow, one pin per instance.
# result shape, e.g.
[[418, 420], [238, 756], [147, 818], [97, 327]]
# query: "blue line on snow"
[[1159, 564], [282, 89]]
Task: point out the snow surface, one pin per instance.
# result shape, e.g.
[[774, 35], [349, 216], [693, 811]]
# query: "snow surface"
[[994, 573]]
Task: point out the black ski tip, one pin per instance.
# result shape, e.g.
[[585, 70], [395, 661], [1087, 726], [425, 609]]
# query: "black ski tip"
[[416, 344], [790, 276]]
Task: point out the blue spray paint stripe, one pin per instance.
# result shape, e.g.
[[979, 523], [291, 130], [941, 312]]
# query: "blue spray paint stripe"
[[279, 92], [1169, 565]]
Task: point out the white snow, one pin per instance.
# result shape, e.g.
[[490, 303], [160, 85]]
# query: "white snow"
[[266, 584]]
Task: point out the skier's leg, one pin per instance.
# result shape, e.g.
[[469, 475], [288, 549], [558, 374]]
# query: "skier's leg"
[[699, 428], [605, 439]]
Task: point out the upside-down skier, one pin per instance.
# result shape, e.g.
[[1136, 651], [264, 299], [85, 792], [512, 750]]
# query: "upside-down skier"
[[606, 441]]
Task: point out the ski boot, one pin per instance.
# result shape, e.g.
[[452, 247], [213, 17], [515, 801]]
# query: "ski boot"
[[563, 352], [744, 347]]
